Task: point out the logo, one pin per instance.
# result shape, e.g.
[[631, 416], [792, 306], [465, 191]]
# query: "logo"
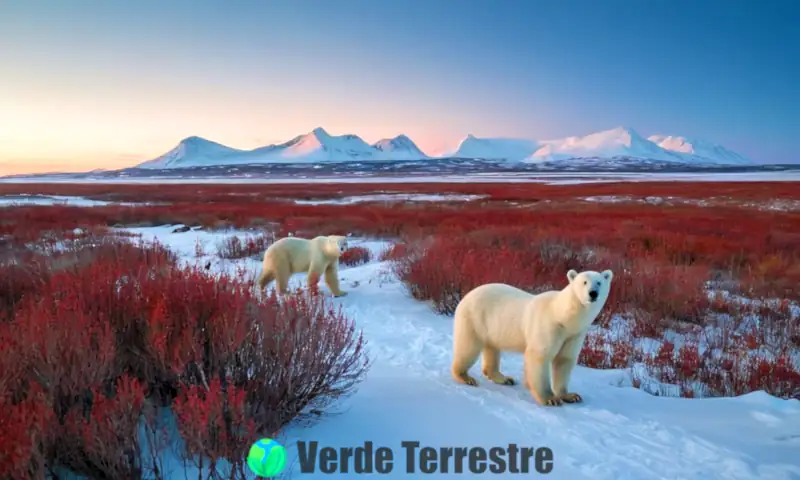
[[267, 458]]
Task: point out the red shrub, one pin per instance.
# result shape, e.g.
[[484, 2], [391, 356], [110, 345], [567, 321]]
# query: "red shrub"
[[102, 441], [19, 278], [106, 334], [593, 352], [215, 426], [251, 246], [25, 425], [395, 252], [272, 378], [66, 349], [355, 256], [665, 258]]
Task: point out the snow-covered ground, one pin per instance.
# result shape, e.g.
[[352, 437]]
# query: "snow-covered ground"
[[392, 197], [22, 200], [775, 205], [619, 432]]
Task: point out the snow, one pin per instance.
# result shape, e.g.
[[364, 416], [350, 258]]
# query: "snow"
[[619, 432], [399, 148], [512, 149], [699, 148], [392, 197], [317, 146], [773, 205], [194, 150], [617, 142], [23, 200], [627, 143]]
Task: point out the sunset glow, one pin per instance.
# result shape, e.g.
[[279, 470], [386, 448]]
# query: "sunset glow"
[[94, 84]]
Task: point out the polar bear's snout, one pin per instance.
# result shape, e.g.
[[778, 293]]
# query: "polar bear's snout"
[[593, 295]]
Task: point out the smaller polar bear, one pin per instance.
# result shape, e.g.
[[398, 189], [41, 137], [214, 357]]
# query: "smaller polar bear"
[[316, 256], [548, 328]]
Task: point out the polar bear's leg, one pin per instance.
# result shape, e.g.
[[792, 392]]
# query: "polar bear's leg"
[[563, 364], [491, 367], [464, 357], [282, 274], [537, 377], [264, 279], [332, 279], [466, 348], [315, 271]]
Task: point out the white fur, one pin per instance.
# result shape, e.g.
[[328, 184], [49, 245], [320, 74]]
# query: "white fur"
[[548, 328], [316, 256]]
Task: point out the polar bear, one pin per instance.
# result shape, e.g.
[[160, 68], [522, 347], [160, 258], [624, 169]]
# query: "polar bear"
[[548, 328], [316, 256]]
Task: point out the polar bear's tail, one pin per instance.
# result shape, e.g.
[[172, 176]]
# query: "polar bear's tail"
[[265, 277]]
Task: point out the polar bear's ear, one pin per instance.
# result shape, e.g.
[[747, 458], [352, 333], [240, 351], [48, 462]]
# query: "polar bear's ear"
[[571, 275], [608, 275]]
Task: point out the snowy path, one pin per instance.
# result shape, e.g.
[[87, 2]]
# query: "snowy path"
[[617, 433]]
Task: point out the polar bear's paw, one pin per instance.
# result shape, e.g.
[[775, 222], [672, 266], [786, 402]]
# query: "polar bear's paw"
[[500, 379], [466, 380], [552, 402], [571, 398]]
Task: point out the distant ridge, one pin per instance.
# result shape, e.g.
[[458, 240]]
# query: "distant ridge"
[[319, 146]]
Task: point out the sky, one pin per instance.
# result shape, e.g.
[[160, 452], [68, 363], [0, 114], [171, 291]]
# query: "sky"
[[91, 84]]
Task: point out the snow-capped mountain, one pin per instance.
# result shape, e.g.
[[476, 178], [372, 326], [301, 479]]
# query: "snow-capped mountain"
[[317, 146], [399, 148], [614, 143], [620, 144], [193, 151], [698, 148], [512, 149], [626, 143]]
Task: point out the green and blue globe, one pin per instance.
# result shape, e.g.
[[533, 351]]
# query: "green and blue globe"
[[267, 458]]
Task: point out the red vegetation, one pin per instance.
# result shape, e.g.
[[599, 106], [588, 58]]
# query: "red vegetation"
[[104, 334], [235, 247], [355, 256], [681, 253]]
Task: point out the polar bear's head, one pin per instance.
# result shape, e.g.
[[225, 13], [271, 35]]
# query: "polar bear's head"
[[337, 244], [590, 287]]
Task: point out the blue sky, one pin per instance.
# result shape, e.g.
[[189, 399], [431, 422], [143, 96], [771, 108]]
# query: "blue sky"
[[110, 82]]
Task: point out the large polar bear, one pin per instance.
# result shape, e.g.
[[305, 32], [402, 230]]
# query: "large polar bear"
[[548, 328], [316, 256]]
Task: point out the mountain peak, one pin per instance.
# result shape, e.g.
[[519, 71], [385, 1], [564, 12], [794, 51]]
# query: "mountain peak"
[[619, 132], [400, 147], [194, 139], [513, 149], [705, 150], [320, 132]]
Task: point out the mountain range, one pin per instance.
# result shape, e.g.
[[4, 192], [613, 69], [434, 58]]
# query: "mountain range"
[[318, 146]]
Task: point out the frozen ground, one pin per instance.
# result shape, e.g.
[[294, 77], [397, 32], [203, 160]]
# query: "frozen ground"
[[618, 432], [22, 200], [775, 205]]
